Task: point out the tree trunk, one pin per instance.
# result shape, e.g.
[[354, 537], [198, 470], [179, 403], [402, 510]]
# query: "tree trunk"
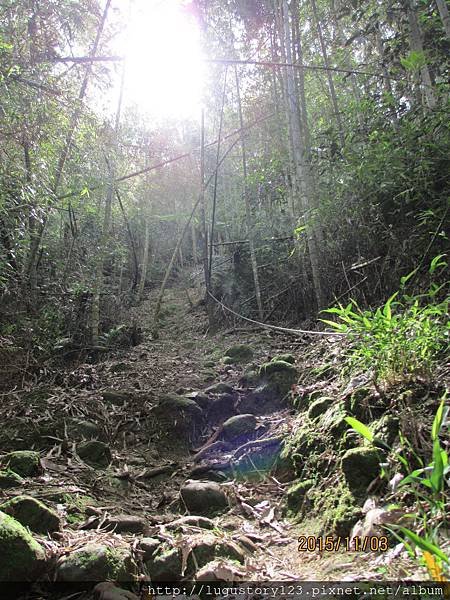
[[445, 16], [302, 161], [248, 214], [333, 97], [417, 46], [144, 261]]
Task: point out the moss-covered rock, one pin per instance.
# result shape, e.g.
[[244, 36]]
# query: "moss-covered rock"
[[148, 546], [360, 466], [203, 497], [295, 495], [240, 353], [220, 408], [338, 509], [165, 565], [203, 400], [9, 479], [21, 557], [250, 378], [228, 360], [289, 358], [25, 463], [219, 388], [95, 453], [280, 374], [238, 427], [96, 562], [32, 513], [179, 416], [319, 407]]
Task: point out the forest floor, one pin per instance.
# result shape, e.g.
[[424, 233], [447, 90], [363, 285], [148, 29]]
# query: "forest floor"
[[116, 398]]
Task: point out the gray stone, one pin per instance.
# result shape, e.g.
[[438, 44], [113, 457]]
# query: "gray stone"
[[238, 427], [192, 521], [22, 558], [149, 546], [96, 562], [280, 374], [319, 407], [203, 497], [166, 565], [32, 513], [95, 453], [127, 523], [240, 353], [221, 408]]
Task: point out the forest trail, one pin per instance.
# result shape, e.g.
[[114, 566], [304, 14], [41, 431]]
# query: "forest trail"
[[136, 493]]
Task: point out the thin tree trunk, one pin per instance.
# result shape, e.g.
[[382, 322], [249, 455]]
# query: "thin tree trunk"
[[302, 161], [445, 16], [326, 63], [203, 205], [417, 46], [35, 241], [248, 214], [144, 261]]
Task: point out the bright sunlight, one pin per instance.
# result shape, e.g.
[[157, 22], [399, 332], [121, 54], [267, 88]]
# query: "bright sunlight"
[[164, 67]]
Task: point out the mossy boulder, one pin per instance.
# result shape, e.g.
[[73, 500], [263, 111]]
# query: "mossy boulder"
[[165, 565], [95, 453], [289, 358], [360, 466], [9, 479], [148, 546], [240, 353], [179, 416], [295, 495], [280, 374], [25, 463], [32, 513], [220, 408], [319, 407], [239, 427], [21, 557], [219, 388], [250, 378], [207, 547], [96, 562], [203, 497]]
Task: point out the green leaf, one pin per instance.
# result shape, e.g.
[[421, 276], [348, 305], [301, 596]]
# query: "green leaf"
[[424, 544], [436, 263], [437, 474], [438, 420], [360, 428]]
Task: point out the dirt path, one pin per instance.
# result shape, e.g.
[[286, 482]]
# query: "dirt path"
[[154, 453]]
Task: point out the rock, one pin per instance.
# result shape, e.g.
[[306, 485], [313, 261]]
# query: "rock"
[[207, 547], [263, 399], [280, 374], [221, 408], [219, 388], [200, 398], [179, 415], [220, 570], [239, 427], [361, 466], [227, 360], [250, 378], [192, 521], [203, 497], [25, 463], [108, 591], [386, 429], [96, 562], [319, 407], [95, 453], [116, 397], [22, 558], [9, 479], [149, 546], [166, 565], [240, 353], [289, 358], [32, 513], [80, 428], [127, 523], [295, 496]]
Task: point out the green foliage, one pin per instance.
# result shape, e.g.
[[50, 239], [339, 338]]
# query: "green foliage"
[[400, 340]]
